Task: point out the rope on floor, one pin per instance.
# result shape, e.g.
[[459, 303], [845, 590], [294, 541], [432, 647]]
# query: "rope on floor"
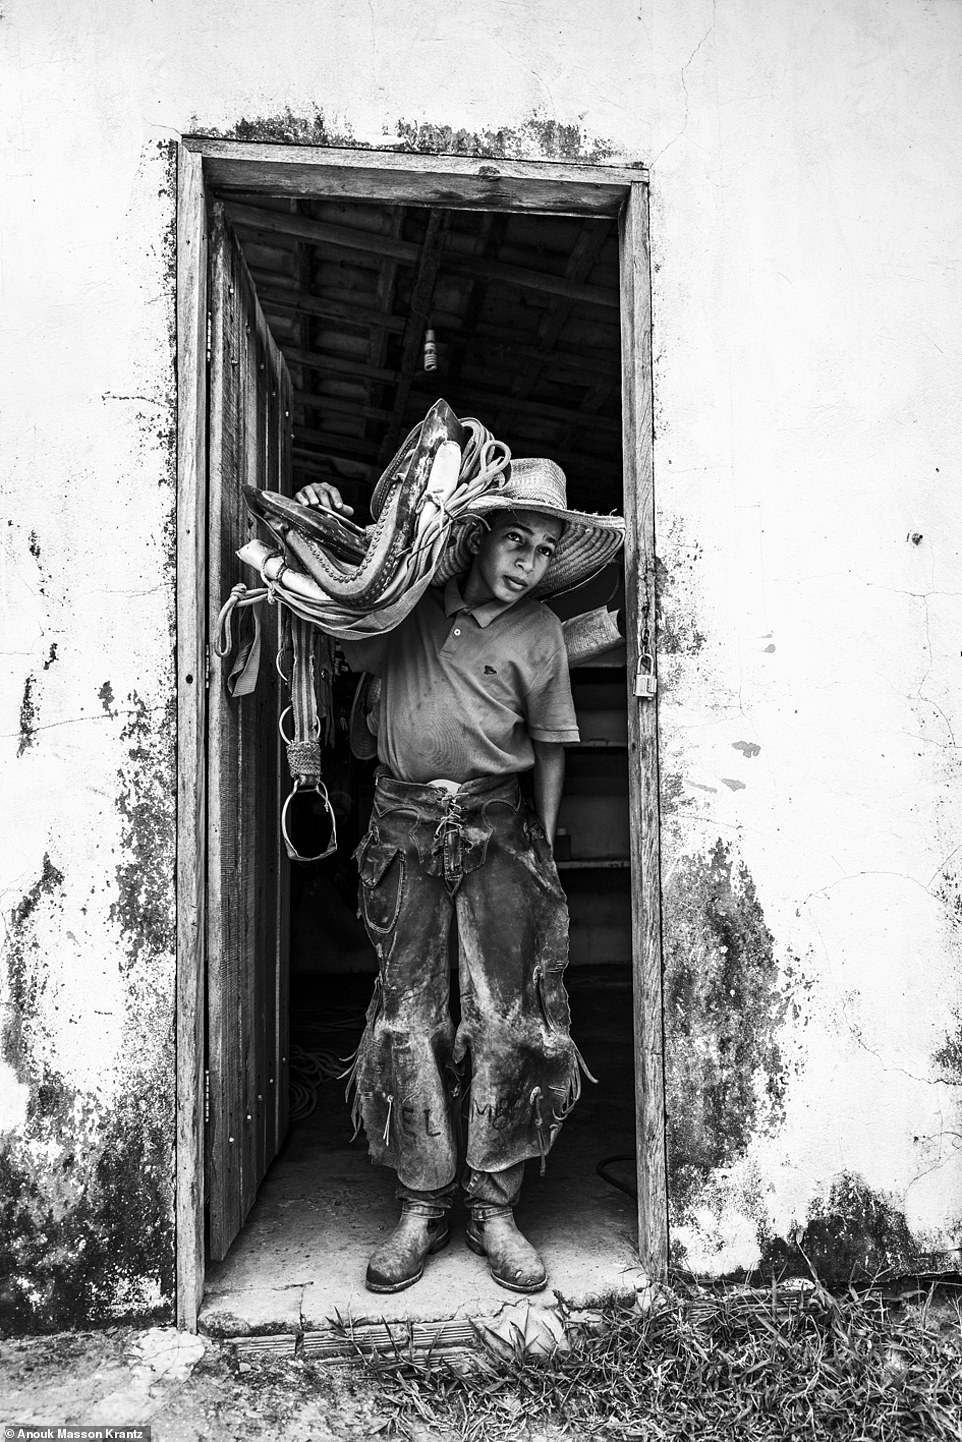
[[308, 1069], [602, 1170]]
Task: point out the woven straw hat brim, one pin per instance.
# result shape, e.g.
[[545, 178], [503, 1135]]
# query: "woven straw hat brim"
[[588, 544], [361, 738]]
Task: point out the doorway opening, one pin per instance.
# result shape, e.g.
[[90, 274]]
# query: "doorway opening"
[[360, 306]]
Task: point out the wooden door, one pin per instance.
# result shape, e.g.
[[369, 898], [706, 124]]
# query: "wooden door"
[[247, 869]]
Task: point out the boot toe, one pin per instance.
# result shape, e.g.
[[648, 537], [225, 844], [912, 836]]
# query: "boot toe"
[[386, 1279], [512, 1261], [399, 1262], [519, 1279]]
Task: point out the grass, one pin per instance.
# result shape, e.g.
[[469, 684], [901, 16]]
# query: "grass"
[[741, 1364]]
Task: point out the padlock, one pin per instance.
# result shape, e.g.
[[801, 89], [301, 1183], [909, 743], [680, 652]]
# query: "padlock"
[[646, 682]]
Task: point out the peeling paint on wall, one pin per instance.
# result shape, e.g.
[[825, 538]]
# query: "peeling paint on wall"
[[145, 801], [86, 1184], [285, 128], [86, 1237], [540, 135], [677, 630], [948, 1057], [23, 959], [28, 716], [854, 1234], [548, 138], [672, 793], [726, 999]]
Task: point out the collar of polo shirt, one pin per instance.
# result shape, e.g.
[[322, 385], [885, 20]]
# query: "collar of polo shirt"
[[484, 614]]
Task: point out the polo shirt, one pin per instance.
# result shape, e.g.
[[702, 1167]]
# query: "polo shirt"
[[466, 690]]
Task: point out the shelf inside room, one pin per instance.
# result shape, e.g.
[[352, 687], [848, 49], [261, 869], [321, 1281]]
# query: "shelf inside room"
[[597, 863]]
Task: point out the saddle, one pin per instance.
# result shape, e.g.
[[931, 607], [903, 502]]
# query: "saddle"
[[354, 581], [348, 581]]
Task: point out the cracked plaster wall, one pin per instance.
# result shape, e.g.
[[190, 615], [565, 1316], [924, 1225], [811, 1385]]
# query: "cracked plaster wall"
[[805, 223]]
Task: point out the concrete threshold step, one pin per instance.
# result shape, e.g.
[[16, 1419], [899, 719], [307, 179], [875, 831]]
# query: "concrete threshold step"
[[522, 1327]]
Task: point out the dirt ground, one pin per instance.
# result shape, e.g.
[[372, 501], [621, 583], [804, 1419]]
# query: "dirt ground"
[[187, 1388]]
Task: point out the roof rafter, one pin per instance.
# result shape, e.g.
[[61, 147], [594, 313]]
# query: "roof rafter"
[[260, 221]]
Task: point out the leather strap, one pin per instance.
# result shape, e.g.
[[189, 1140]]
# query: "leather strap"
[[304, 747]]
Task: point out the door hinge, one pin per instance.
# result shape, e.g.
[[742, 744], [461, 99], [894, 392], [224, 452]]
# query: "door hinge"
[[208, 337], [206, 1097], [207, 667]]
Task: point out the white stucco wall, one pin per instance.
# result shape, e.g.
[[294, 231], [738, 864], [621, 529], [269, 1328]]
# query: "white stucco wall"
[[805, 221]]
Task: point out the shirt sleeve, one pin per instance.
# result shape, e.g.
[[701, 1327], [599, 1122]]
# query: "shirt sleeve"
[[550, 709]]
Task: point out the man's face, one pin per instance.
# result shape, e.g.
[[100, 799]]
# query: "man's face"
[[512, 557]]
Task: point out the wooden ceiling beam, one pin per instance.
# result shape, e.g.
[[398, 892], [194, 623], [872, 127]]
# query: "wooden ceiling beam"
[[597, 396], [274, 297], [259, 221], [302, 280], [490, 235], [340, 406], [412, 346], [265, 221], [451, 331], [386, 286], [577, 467], [584, 253], [338, 365], [572, 364], [495, 402], [325, 467], [335, 444]]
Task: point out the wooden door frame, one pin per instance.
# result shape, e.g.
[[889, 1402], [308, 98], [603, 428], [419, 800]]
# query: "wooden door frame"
[[453, 183]]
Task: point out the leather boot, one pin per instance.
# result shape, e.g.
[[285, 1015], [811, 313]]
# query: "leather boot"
[[399, 1262], [512, 1261]]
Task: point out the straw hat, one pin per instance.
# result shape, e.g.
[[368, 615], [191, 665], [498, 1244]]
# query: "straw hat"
[[587, 544], [362, 731]]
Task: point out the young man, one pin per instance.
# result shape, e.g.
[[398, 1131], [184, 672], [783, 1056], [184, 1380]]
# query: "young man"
[[474, 694]]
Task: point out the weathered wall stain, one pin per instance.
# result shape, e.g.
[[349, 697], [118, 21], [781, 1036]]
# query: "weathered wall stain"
[[550, 138], [29, 708], [948, 1063], [86, 1186], [678, 633], [86, 1230], [28, 716], [672, 793], [725, 1000], [853, 1234], [33, 545], [748, 749], [24, 961], [165, 431], [145, 799], [542, 135], [948, 1057], [284, 127]]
